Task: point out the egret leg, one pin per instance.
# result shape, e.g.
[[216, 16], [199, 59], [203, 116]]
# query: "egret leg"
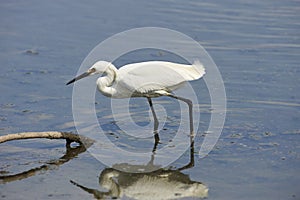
[[190, 104], [192, 160], [156, 123]]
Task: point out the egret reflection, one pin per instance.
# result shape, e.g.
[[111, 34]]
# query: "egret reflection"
[[161, 184], [158, 184]]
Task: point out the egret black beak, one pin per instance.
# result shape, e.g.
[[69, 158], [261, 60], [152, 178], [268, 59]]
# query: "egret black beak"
[[85, 74]]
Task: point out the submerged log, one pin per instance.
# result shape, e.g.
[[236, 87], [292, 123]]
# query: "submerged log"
[[70, 153]]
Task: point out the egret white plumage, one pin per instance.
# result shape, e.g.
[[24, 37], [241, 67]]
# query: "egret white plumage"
[[145, 79]]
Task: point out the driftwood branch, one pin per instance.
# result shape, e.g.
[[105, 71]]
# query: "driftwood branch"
[[70, 137], [84, 142]]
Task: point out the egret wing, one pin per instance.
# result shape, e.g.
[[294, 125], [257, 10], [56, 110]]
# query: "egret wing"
[[153, 76]]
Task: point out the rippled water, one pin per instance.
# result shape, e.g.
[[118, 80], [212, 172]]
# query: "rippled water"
[[255, 44]]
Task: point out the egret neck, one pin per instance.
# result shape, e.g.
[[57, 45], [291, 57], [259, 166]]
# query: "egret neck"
[[105, 82]]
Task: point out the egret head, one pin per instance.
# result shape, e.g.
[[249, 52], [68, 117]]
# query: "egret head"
[[99, 67]]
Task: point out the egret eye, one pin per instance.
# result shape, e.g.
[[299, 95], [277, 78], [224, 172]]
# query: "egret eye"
[[92, 70]]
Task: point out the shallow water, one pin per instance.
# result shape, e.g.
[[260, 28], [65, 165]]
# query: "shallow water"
[[255, 45]]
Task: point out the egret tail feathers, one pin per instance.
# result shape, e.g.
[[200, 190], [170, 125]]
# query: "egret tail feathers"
[[199, 69]]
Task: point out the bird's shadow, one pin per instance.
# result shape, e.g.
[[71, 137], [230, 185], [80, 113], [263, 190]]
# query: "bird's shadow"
[[156, 183]]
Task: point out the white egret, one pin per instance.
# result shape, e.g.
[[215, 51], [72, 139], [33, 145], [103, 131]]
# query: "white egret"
[[145, 79]]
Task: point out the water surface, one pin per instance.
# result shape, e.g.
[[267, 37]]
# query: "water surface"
[[255, 44]]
